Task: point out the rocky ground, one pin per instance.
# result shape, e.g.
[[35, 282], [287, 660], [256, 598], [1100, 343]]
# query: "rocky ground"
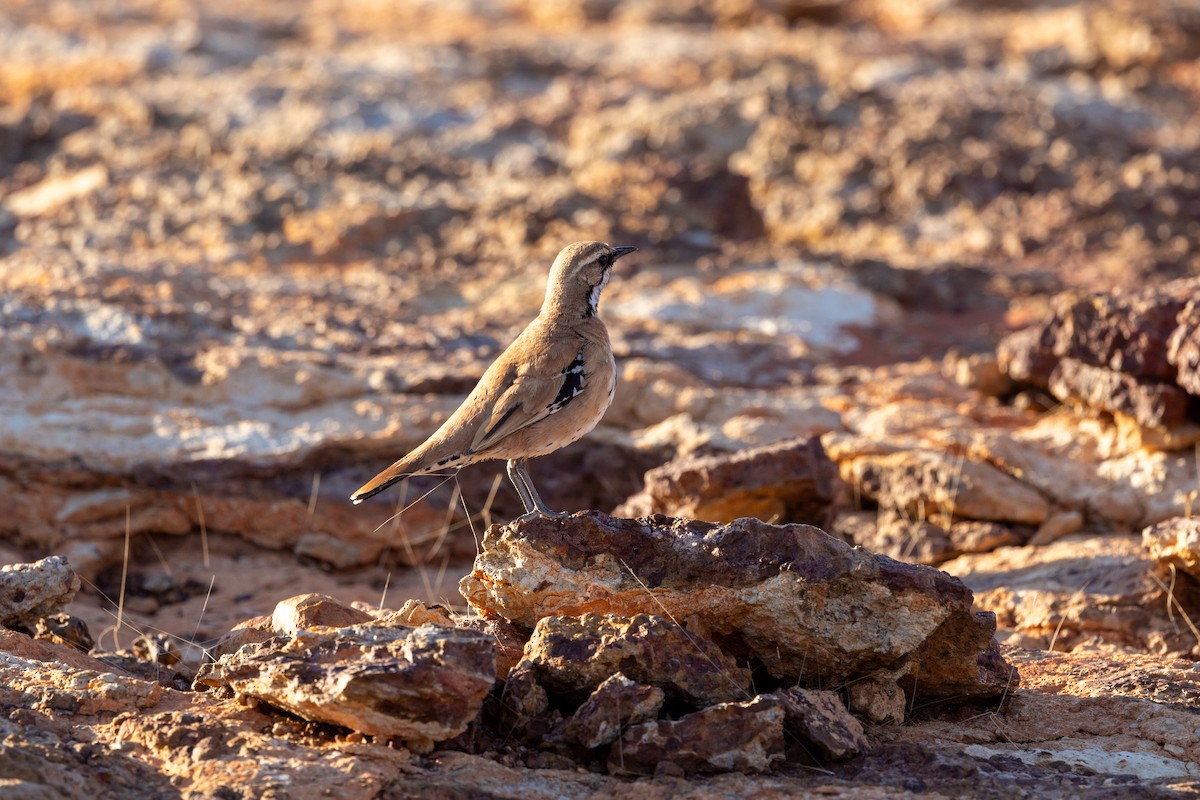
[[915, 274]]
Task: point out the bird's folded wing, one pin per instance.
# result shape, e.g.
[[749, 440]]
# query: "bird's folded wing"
[[530, 398]]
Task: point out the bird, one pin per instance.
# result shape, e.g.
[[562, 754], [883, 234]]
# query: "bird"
[[546, 390]]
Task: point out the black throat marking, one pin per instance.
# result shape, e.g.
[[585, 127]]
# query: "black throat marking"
[[572, 385], [593, 301]]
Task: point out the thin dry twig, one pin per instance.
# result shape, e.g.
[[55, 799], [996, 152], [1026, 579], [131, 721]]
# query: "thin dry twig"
[[203, 527], [1063, 618], [124, 577]]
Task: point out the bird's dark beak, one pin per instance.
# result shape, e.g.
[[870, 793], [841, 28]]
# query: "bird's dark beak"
[[622, 251]]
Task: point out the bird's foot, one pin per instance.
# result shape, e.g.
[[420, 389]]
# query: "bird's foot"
[[543, 513]]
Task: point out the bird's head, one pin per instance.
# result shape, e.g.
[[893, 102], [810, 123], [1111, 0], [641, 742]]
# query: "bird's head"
[[578, 276]]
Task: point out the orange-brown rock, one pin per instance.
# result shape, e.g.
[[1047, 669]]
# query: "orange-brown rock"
[[819, 722], [571, 656], [616, 704], [29, 592], [729, 737], [306, 611], [792, 481], [1175, 543], [421, 685], [807, 606]]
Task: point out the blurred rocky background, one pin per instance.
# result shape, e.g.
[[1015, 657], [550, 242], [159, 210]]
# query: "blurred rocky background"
[[918, 273]]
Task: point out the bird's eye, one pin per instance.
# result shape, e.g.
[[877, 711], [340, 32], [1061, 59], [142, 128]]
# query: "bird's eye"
[[605, 260]]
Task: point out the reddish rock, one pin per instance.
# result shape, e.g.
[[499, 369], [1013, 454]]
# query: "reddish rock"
[[791, 481], [1126, 332], [807, 606], [1151, 403], [572, 656], [615, 705], [422, 685], [1133, 353], [250, 631], [729, 737], [307, 611], [819, 721]]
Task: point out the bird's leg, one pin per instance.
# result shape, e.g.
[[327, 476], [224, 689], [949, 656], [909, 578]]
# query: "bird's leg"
[[515, 476], [534, 506]]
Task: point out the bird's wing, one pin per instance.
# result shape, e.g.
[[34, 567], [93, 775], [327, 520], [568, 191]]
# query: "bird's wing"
[[553, 379]]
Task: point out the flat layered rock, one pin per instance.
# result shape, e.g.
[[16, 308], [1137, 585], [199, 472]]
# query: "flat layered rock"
[[422, 684], [1080, 590], [807, 606], [924, 482]]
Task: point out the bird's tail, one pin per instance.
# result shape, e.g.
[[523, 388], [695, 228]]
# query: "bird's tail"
[[380, 482], [418, 462]]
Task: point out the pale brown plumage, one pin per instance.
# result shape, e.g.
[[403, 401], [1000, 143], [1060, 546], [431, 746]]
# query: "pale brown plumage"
[[550, 387]]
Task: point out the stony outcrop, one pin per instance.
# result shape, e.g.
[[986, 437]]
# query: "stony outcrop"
[[1082, 590], [804, 605]]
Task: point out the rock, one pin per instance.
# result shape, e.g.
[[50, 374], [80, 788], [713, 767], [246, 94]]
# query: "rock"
[[1175, 544], [1025, 358], [1183, 349], [879, 699], [729, 737], [979, 371], [787, 482], [819, 722], [616, 704], [805, 605], [921, 483], [414, 613], [891, 534], [1128, 332], [571, 657], [49, 194], [524, 697], [29, 592], [1123, 353], [983, 537], [422, 685], [1079, 589], [308, 611], [1056, 526], [507, 640], [249, 631], [1156, 404], [66, 630]]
